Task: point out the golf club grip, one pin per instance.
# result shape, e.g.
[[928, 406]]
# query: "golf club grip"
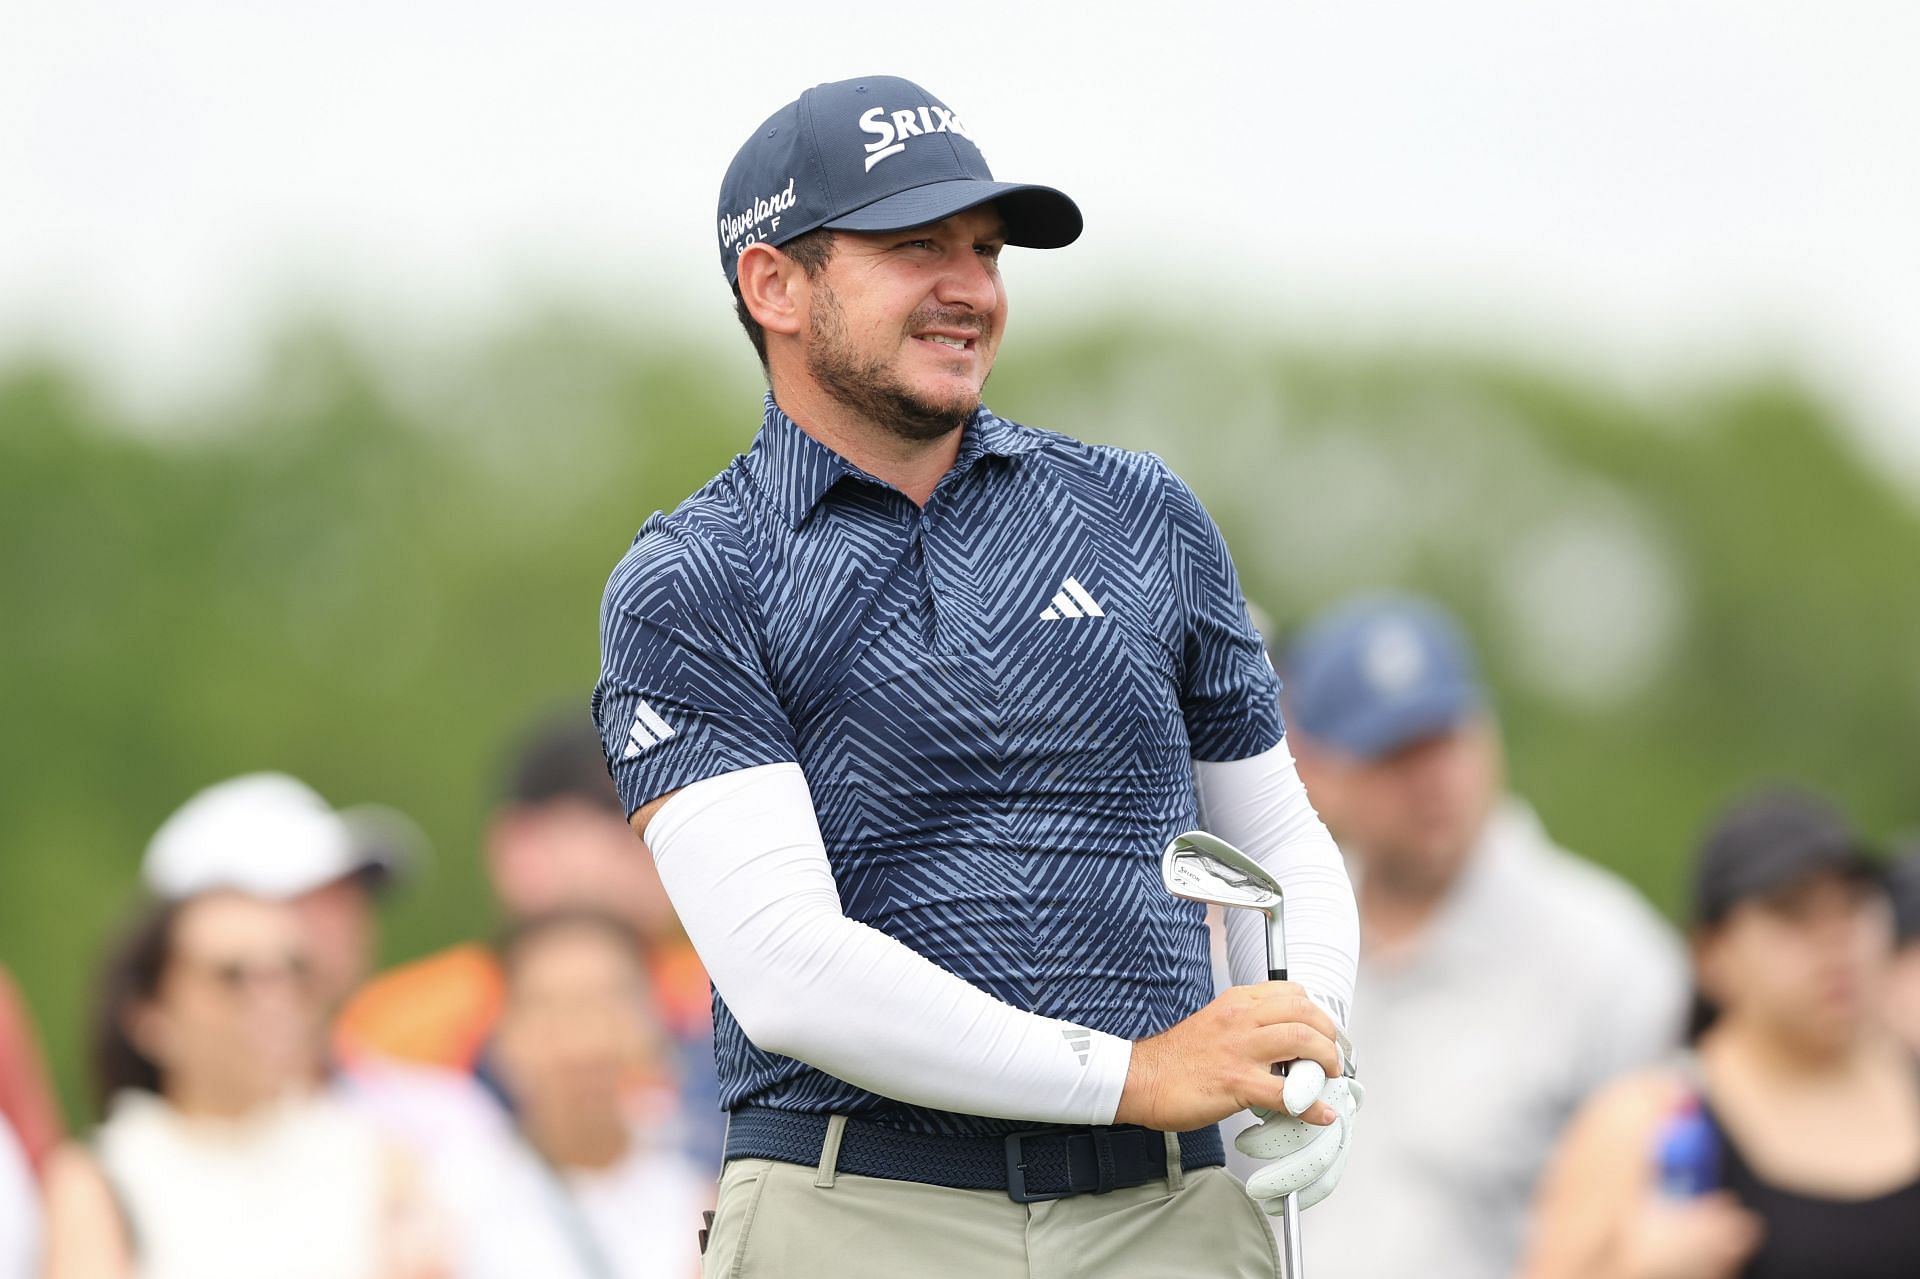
[[1278, 974]]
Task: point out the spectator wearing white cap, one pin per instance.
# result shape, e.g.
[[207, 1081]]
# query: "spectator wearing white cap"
[[273, 836], [1503, 978]]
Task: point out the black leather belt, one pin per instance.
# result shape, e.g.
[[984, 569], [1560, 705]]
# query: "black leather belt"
[[1031, 1165]]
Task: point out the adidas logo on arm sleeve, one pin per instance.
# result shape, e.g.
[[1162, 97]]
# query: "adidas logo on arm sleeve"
[[648, 730]]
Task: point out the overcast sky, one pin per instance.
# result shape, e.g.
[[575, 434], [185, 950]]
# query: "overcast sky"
[[1649, 185]]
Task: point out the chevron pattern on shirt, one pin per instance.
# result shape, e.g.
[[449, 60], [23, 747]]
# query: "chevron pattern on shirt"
[[993, 785]]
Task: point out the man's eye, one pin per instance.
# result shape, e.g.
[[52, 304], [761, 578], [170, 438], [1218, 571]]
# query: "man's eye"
[[988, 251]]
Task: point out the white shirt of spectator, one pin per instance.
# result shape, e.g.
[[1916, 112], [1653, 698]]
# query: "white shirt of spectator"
[[641, 1215], [19, 1211], [296, 1192], [1542, 972], [424, 1110]]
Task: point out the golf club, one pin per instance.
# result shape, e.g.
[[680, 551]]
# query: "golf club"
[[1205, 868]]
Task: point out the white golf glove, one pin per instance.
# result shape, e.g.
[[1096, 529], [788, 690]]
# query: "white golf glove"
[[1306, 1158]]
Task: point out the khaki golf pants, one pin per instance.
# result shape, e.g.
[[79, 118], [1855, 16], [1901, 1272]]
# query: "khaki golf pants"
[[787, 1221]]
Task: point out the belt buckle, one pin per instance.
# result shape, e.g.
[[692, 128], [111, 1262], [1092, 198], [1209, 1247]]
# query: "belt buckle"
[[1017, 1170]]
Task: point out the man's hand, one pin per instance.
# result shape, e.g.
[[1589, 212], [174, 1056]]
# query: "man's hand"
[[1306, 1158], [1219, 1061]]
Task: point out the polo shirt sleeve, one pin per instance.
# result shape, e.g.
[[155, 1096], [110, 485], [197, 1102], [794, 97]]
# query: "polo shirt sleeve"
[[1229, 694], [683, 693]]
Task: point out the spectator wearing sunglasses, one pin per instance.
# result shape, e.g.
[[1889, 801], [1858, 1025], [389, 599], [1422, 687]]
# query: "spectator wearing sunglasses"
[[217, 1157], [274, 837]]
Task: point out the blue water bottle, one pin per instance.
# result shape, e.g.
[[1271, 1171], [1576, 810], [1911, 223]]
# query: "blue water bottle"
[[1689, 1152]]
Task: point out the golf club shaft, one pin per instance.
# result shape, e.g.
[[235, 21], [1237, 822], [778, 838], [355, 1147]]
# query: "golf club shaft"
[[1289, 1206]]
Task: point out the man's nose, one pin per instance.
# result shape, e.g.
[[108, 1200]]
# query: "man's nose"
[[969, 281]]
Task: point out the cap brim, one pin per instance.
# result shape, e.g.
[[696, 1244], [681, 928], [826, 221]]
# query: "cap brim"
[[1037, 217], [388, 846], [1777, 871]]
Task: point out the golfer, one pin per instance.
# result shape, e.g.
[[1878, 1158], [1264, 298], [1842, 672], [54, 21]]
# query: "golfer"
[[905, 704]]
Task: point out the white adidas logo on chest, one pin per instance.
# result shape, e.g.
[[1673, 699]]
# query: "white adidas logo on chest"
[[1072, 600]]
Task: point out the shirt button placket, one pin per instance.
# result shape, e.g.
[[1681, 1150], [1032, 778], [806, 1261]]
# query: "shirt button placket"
[[923, 566], [959, 623]]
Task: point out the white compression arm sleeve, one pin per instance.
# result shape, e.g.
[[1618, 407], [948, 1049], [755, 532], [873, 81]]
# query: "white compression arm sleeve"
[[742, 858], [1260, 806]]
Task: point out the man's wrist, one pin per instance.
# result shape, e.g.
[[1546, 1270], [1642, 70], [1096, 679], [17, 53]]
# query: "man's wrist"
[[1108, 1062], [1140, 1093]]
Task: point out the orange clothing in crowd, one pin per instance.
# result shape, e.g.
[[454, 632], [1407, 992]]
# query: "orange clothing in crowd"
[[27, 1103], [441, 1009]]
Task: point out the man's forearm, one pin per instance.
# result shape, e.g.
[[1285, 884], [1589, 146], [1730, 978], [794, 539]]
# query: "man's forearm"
[[742, 858]]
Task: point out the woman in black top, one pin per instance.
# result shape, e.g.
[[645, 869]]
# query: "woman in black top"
[[1786, 1144]]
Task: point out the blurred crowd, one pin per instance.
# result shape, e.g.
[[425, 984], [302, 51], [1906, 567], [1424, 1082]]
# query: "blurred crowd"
[[541, 1102], [1561, 1085]]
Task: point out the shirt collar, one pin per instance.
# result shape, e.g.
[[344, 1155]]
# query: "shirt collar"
[[797, 470]]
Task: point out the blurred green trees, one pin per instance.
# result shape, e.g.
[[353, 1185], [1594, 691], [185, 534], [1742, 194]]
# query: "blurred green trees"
[[370, 570]]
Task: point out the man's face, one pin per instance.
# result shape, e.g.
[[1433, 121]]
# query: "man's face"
[[903, 326], [1412, 816]]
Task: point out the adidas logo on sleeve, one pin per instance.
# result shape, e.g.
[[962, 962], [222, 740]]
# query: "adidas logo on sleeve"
[[648, 731]]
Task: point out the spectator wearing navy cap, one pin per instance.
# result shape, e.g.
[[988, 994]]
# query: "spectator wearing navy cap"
[[1476, 929], [1786, 1142]]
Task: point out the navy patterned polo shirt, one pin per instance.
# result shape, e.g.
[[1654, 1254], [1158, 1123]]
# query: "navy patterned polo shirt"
[[995, 699]]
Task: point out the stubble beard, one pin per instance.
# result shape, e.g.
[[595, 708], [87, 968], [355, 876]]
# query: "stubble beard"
[[869, 388]]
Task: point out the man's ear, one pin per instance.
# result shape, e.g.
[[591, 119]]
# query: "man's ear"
[[774, 288]]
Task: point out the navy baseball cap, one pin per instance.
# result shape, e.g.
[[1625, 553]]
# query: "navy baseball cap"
[[1380, 672], [873, 154], [1768, 840]]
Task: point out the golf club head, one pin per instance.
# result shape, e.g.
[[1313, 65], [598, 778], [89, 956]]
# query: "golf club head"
[[1205, 868]]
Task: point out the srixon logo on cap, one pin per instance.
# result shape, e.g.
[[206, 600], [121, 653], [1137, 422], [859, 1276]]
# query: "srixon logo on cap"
[[891, 129]]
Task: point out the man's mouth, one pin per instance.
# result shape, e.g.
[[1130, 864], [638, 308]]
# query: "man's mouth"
[[946, 339]]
